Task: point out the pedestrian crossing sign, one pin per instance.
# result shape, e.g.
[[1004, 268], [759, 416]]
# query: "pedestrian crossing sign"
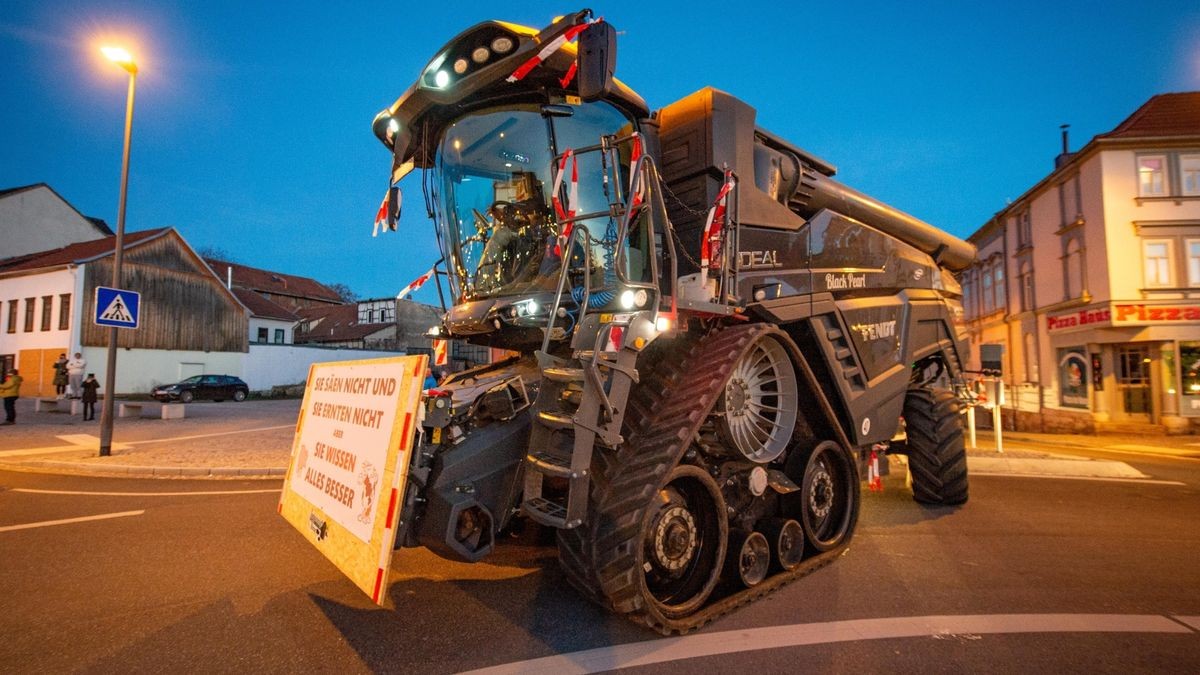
[[117, 307]]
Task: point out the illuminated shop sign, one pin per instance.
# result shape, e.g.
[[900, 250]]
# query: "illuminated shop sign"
[[1124, 314]]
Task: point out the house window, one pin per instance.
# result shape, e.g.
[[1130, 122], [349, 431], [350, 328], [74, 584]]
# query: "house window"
[[64, 311], [1189, 174], [988, 299], [1024, 229], [29, 314], [47, 309], [1152, 175], [1073, 272], [12, 316], [1025, 284], [278, 336], [1156, 255], [968, 288], [1193, 262], [998, 285], [262, 334]]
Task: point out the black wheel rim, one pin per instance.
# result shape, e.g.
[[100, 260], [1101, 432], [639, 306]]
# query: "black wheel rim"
[[684, 540], [829, 496]]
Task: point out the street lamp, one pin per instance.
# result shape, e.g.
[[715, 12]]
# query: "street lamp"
[[122, 58]]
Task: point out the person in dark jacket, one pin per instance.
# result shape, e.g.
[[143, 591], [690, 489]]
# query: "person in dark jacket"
[[89, 387]]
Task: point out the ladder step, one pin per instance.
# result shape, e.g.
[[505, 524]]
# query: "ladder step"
[[842, 354], [546, 512], [551, 464], [567, 375], [556, 420], [850, 373], [834, 334]]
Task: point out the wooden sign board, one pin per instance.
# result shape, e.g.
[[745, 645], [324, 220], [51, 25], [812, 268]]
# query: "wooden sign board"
[[350, 458]]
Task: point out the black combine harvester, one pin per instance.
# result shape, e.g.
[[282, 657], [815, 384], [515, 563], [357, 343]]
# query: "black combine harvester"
[[716, 337]]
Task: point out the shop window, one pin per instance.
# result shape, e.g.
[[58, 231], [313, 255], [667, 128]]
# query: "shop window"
[[1189, 361], [1072, 378], [29, 314], [1189, 174], [262, 334], [278, 336], [64, 311], [1156, 259], [1152, 175], [12, 316]]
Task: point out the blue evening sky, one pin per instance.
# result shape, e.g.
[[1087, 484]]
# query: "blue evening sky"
[[252, 126]]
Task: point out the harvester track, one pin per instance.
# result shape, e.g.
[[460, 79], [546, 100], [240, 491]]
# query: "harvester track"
[[603, 557]]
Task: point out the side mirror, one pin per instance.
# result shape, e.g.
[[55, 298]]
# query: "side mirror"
[[597, 60], [393, 210]]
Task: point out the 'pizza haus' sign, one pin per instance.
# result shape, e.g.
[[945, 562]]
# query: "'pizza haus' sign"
[[1124, 314]]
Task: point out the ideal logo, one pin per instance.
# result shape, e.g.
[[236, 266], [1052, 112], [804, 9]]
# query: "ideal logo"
[[757, 259]]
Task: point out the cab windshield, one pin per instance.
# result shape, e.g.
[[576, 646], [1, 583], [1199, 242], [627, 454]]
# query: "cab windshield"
[[494, 182]]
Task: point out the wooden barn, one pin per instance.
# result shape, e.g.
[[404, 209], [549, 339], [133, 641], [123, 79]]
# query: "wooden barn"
[[190, 323]]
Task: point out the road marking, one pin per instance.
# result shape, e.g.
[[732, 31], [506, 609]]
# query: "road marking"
[[77, 442], [1134, 449], [728, 642], [218, 433], [141, 494], [67, 521], [1101, 479], [1192, 621]]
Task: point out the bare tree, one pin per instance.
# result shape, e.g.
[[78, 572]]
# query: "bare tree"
[[343, 292], [212, 252]]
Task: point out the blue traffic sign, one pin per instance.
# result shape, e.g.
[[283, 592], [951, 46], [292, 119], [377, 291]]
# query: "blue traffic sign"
[[117, 307]]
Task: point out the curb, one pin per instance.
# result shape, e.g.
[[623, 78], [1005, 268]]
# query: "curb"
[[119, 470]]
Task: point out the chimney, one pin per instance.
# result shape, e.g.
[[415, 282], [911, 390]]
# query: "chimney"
[[229, 277], [1066, 154]]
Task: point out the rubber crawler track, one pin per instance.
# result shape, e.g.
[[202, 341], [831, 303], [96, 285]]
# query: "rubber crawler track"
[[602, 557]]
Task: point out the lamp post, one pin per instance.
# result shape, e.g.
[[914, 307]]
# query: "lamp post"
[[122, 58]]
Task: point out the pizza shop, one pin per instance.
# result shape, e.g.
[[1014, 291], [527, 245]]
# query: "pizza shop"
[[1126, 362]]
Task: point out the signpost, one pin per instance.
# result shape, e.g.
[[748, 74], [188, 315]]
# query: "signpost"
[[115, 308], [350, 457]]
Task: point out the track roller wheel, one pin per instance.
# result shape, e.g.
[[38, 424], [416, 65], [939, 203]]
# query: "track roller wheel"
[[749, 558], [683, 542], [786, 537], [829, 496]]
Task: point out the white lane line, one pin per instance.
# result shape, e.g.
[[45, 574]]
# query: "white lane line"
[[68, 521], [1101, 479], [218, 433], [1193, 621], [141, 494], [773, 637]]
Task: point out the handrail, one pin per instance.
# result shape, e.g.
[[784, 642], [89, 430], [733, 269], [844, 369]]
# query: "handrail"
[[562, 279]]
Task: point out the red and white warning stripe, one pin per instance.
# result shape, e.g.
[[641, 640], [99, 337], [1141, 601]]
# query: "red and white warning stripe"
[[635, 153], [401, 470], [381, 217], [716, 216], [441, 352], [545, 52], [565, 212], [416, 284]]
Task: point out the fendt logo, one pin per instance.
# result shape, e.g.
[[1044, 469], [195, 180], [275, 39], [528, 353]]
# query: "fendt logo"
[[749, 260]]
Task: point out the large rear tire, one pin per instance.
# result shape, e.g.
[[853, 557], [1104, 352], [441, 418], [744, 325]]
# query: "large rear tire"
[[937, 455]]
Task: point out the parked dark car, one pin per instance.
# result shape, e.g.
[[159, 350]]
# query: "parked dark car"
[[215, 387]]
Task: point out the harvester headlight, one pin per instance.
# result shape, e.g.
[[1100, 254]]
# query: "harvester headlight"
[[441, 79], [480, 54], [627, 299], [662, 324], [502, 45], [460, 66], [640, 297], [532, 307]]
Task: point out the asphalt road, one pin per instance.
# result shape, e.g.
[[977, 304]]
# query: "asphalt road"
[[197, 582]]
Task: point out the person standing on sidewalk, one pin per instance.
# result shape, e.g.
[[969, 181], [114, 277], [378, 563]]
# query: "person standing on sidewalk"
[[60, 376], [89, 386], [10, 390], [75, 368]]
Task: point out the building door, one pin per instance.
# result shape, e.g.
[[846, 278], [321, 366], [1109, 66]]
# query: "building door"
[[1133, 381]]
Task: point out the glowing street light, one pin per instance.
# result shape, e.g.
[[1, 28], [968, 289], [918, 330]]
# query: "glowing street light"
[[123, 58]]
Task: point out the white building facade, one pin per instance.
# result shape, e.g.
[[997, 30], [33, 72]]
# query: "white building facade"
[[1090, 282]]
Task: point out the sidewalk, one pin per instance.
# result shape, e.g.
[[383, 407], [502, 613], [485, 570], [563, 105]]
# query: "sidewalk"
[[253, 439]]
